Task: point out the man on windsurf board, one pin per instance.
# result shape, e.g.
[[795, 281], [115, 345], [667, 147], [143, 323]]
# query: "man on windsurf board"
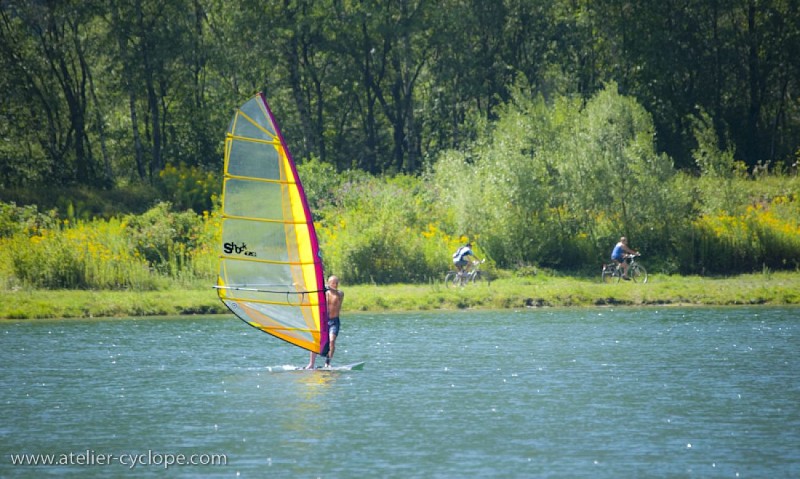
[[333, 298]]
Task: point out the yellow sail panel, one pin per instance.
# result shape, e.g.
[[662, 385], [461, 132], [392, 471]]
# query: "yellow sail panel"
[[287, 169], [270, 271]]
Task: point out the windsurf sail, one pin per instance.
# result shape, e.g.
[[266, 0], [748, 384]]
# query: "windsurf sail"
[[270, 272]]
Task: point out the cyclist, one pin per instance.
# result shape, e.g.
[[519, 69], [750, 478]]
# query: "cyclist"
[[618, 255], [459, 257]]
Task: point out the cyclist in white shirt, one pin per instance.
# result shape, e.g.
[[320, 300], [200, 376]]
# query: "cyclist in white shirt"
[[459, 257]]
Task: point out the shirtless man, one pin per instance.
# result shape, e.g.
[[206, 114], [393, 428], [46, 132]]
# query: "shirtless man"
[[334, 298]]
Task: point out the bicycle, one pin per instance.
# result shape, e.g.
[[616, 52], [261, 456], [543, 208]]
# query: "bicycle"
[[474, 275], [613, 272]]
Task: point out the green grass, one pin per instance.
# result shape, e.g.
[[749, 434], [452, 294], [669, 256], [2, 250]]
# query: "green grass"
[[544, 291], [511, 293], [89, 304]]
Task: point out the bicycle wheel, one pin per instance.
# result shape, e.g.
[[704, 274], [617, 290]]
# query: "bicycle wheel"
[[478, 278], [609, 273], [638, 274], [451, 280]]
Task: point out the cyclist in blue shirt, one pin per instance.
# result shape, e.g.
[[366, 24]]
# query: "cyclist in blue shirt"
[[618, 255], [459, 257]]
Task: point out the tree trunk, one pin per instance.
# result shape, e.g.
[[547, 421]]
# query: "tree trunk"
[[122, 42], [754, 78]]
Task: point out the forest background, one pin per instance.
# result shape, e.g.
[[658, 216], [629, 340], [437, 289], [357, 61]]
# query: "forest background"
[[540, 130]]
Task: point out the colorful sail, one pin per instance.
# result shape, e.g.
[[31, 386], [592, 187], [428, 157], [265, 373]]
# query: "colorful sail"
[[270, 271]]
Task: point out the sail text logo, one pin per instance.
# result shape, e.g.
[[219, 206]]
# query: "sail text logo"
[[229, 248]]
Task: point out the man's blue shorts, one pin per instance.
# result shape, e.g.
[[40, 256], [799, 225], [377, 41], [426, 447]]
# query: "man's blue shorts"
[[333, 326]]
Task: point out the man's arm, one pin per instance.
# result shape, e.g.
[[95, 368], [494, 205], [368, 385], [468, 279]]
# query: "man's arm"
[[337, 295]]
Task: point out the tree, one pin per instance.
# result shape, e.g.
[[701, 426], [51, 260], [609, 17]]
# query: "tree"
[[44, 44]]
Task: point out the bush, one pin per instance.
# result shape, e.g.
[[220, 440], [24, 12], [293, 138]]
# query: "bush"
[[746, 243], [557, 184], [17, 219], [384, 233], [109, 254], [189, 187], [96, 255], [165, 239]]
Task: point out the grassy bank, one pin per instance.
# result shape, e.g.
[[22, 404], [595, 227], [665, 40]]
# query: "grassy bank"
[[539, 291]]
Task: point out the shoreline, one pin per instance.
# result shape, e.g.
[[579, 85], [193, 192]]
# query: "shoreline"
[[538, 292]]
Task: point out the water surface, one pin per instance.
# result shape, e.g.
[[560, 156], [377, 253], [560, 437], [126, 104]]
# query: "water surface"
[[701, 392]]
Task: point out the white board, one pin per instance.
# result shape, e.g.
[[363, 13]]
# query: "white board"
[[288, 367]]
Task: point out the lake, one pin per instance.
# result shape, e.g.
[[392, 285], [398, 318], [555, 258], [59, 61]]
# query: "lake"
[[596, 392]]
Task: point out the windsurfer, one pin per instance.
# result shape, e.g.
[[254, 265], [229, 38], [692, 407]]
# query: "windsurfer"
[[334, 297]]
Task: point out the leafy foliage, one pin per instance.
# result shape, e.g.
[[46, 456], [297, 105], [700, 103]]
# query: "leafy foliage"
[[164, 238], [24, 219], [105, 94], [381, 233], [190, 187], [549, 184], [554, 185]]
